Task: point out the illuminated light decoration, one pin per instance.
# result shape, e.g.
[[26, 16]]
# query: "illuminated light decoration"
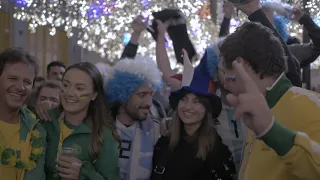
[[317, 20], [204, 12], [314, 8], [145, 2], [316, 64], [126, 38], [120, 20], [234, 23], [22, 3], [101, 24], [168, 43], [40, 14], [100, 8]]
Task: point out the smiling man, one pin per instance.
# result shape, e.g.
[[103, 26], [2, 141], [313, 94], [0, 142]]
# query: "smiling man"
[[22, 139], [129, 90]]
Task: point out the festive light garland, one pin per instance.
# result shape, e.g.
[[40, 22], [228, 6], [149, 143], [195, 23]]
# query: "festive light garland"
[[103, 26]]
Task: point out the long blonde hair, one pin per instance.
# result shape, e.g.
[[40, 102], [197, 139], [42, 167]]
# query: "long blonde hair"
[[205, 134]]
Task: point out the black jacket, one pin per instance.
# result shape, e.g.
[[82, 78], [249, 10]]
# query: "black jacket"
[[183, 164]]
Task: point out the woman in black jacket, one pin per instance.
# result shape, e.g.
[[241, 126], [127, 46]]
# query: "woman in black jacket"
[[193, 150]]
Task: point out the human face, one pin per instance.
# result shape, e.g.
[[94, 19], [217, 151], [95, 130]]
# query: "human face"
[[77, 91], [139, 103], [190, 110], [56, 73], [228, 79], [51, 95], [16, 83]]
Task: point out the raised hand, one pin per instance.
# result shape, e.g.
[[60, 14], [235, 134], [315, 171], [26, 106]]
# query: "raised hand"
[[251, 106], [139, 24], [228, 9], [296, 14], [248, 8], [162, 27], [188, 69]]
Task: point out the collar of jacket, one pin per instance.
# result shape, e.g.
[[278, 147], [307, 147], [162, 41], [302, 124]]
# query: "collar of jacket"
[[277, 90], [56, 117], [27, 122]]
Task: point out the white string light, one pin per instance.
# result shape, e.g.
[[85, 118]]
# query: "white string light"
[[103, 23]]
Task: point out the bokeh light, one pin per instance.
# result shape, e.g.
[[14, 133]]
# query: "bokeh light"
[[103, 25]]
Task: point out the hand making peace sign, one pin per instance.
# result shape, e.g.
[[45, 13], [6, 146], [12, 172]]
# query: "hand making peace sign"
[[251, 105]]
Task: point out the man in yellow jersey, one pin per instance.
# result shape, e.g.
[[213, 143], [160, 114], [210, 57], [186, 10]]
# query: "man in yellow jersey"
[[283, 143], [22, 139]]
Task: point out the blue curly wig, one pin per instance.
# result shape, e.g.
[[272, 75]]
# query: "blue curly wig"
[[128, 75], [281, 26], [121, 86]]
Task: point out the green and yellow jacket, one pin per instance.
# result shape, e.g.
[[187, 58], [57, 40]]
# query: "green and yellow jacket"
[[291, 149], [30, 159], [105, 167]]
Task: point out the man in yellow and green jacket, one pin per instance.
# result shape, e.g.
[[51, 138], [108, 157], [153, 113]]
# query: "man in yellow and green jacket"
[[284, 121], [290, 150], [22, 138]]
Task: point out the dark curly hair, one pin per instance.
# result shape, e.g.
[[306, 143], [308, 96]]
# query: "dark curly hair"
[[258, 46]]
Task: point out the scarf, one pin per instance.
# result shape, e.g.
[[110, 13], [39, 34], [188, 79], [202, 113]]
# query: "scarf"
[[145, 136]]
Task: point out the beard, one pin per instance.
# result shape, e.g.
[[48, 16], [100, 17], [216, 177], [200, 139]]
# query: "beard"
[[134, 114]]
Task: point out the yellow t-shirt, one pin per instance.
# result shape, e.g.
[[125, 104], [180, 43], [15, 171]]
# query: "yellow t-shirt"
[[10, 139], [65, 132]]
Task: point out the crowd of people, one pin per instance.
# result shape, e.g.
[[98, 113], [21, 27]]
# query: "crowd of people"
[[240, 114]]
